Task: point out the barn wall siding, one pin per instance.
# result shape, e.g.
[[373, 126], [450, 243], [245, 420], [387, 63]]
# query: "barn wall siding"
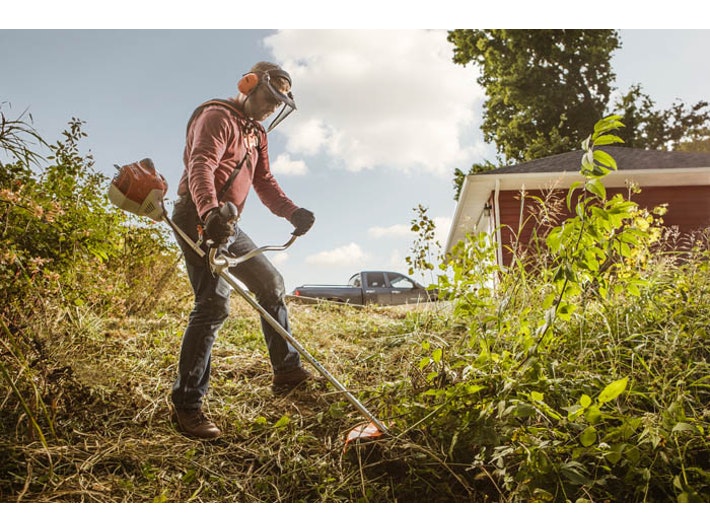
[[688, 210]]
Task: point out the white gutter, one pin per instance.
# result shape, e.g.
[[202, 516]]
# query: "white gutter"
[[496, 206], [461, 224], [457, 215]]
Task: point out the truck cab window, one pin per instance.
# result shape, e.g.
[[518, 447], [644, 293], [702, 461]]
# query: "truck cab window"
[[376, 279], [400, 281]]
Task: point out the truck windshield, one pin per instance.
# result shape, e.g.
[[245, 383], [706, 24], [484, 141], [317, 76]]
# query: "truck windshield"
[[355, 281]]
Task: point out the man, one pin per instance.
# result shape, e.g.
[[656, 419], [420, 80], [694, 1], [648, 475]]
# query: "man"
[[226, 154]]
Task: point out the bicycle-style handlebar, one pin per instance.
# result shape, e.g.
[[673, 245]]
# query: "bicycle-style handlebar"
[[219, 260]]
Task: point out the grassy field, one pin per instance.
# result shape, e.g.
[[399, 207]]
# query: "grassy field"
[[102, 395]]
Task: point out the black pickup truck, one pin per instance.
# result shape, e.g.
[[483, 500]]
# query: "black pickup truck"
[[368, 288]]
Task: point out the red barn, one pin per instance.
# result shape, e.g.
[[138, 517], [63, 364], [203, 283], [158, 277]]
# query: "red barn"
[[501, 201]]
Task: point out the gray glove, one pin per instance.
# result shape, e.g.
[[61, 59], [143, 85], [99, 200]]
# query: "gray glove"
[[302, 219], [218, 226]]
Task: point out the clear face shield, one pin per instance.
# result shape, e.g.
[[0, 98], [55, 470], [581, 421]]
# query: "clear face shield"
[[285, 99]]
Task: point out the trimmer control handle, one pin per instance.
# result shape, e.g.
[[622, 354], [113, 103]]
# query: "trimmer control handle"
[[229, 212], [219, 260]]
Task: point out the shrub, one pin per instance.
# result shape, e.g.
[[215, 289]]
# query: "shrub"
[[581, 378]]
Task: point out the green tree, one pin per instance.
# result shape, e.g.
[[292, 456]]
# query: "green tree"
[[695, 146], [677, 128], [545, 88]]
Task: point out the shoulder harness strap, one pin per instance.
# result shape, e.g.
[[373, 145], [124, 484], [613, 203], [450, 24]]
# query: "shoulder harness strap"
[[241, 119], [228, 104]]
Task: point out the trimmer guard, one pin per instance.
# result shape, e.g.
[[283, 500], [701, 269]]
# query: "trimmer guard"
[[363, 433]]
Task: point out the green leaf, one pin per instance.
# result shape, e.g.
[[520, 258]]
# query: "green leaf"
[[633, 290], [575, 473], [285, 420], [588, 436], [588, 161], [613, 390], [189, 476], [574, 186], [524, 410], [596, 187], [554, 239], [605, 125], [632, 454], [613, 456], [585, 400], [585, 143], [565, 311], [605, 140], [579, 210], [592, 414], [537, 396], [574, 412], [605, 159], [683, 427]]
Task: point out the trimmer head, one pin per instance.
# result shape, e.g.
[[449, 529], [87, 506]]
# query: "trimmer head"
[[362, 433], [139, 188]]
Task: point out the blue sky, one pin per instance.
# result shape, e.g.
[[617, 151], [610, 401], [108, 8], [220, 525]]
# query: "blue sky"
[[383, 117]]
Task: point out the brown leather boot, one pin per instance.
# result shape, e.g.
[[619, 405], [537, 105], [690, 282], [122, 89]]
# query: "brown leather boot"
[[284, 382], [193, 422]]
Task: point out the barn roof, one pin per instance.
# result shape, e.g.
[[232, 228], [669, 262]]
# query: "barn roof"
[[648, 168]]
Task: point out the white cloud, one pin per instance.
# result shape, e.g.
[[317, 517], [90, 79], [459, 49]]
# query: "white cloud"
[[279, 258], [397, 261], [283, 165], [379, 98], [397, 230], [442, 225], [309, 137], [341, 256]]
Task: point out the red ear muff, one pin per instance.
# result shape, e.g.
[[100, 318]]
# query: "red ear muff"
[[248, 83]]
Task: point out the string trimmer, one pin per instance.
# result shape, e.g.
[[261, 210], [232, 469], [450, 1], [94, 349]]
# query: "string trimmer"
[[139, 189]]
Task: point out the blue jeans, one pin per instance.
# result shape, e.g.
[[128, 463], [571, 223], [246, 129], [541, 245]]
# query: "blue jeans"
[[211, 309]]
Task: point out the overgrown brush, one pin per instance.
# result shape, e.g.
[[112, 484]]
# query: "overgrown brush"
[[66, 261], [582, 375]]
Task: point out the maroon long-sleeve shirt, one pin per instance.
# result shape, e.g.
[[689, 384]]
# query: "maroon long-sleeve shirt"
[[216, 142]]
